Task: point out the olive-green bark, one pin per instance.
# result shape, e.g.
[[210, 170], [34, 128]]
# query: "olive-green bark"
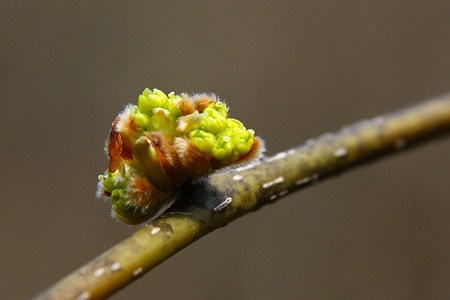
[[229, 194]]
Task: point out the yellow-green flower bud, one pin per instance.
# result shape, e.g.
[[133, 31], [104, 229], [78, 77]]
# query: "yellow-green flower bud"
[[123, 210], [110, 181], [221, 108], [243, 141], [141, 120], [234, 124], [224, 149], [172, 105], [119, 196], [203, 140], [107, 181], [213, 121], [152, 99]]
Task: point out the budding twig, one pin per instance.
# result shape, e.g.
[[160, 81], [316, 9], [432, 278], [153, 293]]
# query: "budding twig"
[[230, 194]]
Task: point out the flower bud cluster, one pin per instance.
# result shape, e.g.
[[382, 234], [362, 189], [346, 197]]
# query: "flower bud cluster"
[[164, 140]]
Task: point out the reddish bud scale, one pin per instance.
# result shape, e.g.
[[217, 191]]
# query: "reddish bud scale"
[[146, 167]]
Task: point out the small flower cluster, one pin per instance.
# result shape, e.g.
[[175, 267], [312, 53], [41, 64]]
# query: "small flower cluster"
[[164, 140]]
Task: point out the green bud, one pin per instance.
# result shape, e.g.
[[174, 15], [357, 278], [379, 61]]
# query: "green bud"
[[224, 149], [141, 120], [109, 180], [203, 140], [234, 124], [243, 141], [221, 108], [119, 197], [213, 121], [123, 210], [119, 201], [146, 92], [160, 94], [152, 99], [172, 105]]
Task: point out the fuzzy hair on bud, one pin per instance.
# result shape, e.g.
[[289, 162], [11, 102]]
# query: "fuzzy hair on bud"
[[163, 141]]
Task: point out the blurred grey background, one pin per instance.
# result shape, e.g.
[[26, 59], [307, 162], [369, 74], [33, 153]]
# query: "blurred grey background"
[[291, 70]]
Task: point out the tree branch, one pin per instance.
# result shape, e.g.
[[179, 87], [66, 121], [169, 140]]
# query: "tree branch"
[[229, 194]]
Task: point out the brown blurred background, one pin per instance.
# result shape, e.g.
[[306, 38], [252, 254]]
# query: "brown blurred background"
[[291, 70]]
